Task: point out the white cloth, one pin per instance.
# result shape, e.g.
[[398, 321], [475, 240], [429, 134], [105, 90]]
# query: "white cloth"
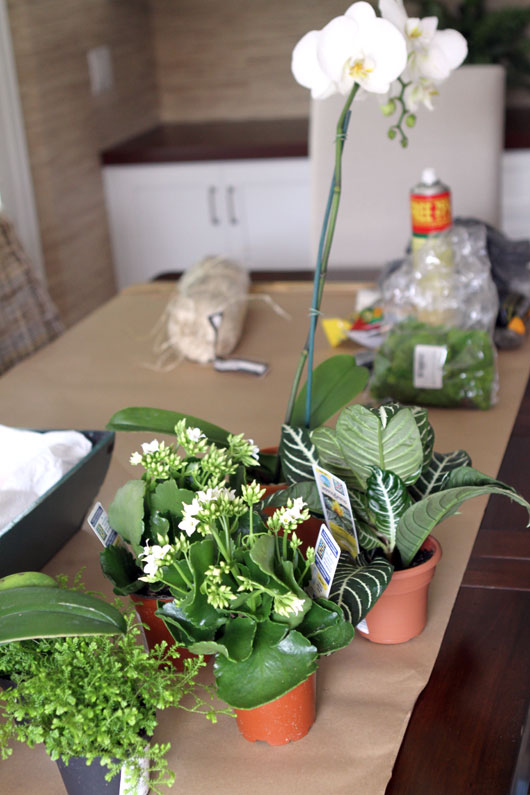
[[31, 463]]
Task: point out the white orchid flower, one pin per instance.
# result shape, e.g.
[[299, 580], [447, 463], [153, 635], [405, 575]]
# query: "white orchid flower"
[[433, 53], [420, 93], [358, 48]]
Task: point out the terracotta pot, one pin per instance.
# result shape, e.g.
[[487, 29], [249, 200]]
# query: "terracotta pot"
[[401, 612], [284, 720], [155, 629]]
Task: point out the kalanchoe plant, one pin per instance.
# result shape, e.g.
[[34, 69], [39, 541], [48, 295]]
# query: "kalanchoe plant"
[[146, 512], [239, 593], [97, 697]]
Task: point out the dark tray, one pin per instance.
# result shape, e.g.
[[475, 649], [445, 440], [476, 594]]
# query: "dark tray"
[[30, 540]]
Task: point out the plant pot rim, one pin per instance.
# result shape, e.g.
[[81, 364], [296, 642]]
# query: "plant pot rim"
[[430, 543]]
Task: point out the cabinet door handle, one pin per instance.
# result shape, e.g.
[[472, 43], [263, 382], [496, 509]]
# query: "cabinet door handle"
[[212, 206], [231, 205]]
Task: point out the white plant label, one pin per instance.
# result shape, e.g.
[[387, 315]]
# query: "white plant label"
[[362, 626], [336, 507], [429, 361], [99, 522], [327, 554]]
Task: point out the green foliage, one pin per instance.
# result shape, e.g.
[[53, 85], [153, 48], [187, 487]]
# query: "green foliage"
[[358, 584], [96, 697], [468, 372], [493, 36]]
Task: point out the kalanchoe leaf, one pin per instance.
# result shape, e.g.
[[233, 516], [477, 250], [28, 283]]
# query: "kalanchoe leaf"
[[358, 584], [433, 478], [422, 517], [297, 453], [281, 659], [126, 511], [308, 491], [388, 499], [119, 566], [169, 499], [326, 628]]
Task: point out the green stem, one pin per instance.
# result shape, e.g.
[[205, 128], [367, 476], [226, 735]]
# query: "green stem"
[[326, 239]]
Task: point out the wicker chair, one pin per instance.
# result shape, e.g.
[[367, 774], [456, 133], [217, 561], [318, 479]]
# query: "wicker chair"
[[28, 318]]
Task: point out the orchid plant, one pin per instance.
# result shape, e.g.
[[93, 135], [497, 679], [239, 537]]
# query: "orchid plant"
[[402, 61]]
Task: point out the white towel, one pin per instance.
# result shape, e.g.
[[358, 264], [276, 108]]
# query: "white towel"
[[31, 463]]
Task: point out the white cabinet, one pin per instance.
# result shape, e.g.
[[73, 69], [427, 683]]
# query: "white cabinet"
[[166, 217], [515, 204]]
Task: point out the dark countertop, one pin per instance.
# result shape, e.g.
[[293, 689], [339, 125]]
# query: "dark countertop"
[[248, 140]]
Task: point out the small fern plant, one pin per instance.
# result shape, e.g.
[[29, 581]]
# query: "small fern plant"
[[97, 697]]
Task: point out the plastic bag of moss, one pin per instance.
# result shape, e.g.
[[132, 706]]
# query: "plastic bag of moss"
[[436, 366]]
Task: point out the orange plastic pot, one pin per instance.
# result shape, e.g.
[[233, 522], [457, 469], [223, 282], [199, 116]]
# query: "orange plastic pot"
[[155, 629], [401, 612], [284, 720]]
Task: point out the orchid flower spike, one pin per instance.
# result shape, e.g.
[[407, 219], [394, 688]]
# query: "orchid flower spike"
[[358, 47]]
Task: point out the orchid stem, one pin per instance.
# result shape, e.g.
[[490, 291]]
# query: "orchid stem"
[[326, 239]]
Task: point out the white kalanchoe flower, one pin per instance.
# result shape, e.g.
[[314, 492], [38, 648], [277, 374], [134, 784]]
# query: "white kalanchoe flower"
[[189, 520], [153, 558], [358, 48], [287, 604], [194, 434], [254, 449], [151, 447], [135, 459]]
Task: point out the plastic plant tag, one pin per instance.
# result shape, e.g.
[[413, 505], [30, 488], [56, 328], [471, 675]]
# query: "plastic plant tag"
[[327, 554], [336, 507], [428, 366], [99, 522], [362, 626]]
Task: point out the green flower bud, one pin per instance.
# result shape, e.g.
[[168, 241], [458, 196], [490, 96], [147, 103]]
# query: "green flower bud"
[[389, 108], [410, 120], [392, 133]]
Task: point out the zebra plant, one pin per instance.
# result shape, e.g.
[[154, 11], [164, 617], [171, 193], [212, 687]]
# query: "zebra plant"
[[399, 487]]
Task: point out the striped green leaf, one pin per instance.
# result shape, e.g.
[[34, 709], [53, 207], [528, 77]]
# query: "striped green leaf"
[[433, 478], [426, 433], [366, 442], [387, 499], [308, 491], [368, 538], [332, 458], [298, 454], [357, 585], [422, 517], [359, 506]]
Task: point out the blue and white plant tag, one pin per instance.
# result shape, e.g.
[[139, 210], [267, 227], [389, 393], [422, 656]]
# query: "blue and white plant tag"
[[337, 510], [327, 554], [99, 522]]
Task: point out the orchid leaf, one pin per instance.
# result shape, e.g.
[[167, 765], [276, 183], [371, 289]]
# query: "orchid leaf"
[[388, 499], [46, 612], [422, 517], [298, 454], [141, 418], [366, 441], [433, 477], [126, 511], [281, 659], [358, 584], [336, 382]]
